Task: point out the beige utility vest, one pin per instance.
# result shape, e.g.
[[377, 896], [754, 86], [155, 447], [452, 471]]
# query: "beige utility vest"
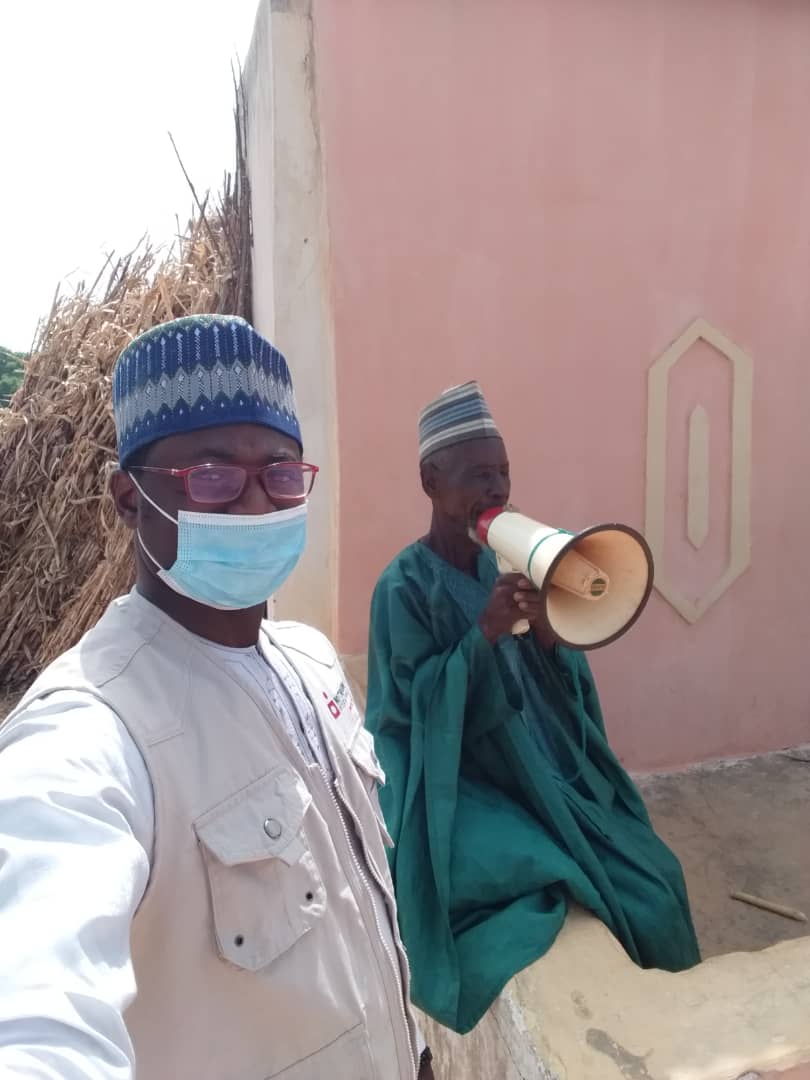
[[256, 947]]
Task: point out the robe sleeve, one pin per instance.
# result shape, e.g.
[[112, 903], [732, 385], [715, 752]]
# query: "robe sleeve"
[[417, 700]]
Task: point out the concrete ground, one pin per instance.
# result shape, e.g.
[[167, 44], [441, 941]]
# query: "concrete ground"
[[741, 826]]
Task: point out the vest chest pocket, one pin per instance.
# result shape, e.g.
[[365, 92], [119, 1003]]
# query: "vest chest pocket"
[[266, 891]]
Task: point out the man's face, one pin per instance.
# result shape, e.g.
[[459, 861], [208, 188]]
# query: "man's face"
[[251, 445], [465, 480]]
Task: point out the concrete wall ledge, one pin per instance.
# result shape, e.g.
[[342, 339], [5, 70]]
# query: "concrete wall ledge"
[[586, 1012]]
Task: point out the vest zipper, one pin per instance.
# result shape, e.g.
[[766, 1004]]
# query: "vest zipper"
[[330, 787]]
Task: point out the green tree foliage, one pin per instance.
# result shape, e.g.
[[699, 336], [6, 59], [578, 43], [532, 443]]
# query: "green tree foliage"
[[11, 373]]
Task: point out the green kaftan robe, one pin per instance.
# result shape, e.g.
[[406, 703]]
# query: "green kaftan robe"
[[503, 796]]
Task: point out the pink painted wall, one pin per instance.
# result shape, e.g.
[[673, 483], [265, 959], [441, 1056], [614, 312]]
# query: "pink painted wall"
[[543, 194]]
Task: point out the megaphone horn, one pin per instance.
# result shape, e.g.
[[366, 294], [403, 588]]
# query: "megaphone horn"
[[595, 583]]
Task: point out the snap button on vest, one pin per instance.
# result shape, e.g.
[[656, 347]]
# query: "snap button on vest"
[[272, 828]]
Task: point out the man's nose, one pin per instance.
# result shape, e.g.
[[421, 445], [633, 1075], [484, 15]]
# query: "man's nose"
[[499, 487]]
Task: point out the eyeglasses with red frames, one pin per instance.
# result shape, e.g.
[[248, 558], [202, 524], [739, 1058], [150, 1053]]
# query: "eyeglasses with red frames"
[[287, 481]]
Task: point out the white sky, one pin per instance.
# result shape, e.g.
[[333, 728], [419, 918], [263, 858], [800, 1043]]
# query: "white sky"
[[88, 91]]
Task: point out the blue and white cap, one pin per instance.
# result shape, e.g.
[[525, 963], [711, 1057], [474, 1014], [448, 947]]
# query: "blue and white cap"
[[198, 372], [458, 415]]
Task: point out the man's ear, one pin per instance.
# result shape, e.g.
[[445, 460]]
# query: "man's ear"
[[125, 497], [429, 474]]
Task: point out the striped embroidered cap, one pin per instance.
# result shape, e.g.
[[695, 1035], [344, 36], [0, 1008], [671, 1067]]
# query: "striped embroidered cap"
[[457, 415], [197, 372]]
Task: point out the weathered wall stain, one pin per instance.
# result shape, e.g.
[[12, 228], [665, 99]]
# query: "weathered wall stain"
[[581, 1006], [630, 1065]]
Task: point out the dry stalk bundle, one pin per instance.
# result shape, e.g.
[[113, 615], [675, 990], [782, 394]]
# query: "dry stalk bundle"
[[63, 554]]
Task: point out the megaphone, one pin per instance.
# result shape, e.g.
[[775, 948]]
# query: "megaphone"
[[595, 583]]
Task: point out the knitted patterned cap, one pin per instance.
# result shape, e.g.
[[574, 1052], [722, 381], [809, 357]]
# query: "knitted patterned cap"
[[457, 415], [198, 372]]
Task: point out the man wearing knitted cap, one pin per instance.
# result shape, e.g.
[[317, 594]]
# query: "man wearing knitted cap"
[[193, 876], [503, 796]]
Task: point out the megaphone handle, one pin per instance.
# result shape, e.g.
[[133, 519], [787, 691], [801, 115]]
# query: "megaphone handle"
[[522, 626]]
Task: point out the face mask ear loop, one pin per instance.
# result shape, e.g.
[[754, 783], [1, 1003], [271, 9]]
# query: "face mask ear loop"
[[146, 550], [160, 510], [151, 502]]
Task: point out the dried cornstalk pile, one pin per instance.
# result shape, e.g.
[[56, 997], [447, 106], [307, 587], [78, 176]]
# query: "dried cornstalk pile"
[[63, 554]]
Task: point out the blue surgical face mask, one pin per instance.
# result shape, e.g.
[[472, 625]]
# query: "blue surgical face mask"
[[231, 561]]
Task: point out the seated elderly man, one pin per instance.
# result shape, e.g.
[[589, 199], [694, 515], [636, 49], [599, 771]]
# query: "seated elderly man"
[[504, 797]]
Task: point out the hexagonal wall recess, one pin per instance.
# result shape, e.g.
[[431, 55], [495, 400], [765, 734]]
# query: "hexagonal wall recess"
[[698, 494]]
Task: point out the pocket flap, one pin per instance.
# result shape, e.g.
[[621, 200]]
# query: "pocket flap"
[[260, 822], [364, 756]]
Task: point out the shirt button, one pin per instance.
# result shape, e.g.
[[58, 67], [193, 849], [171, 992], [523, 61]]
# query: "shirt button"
[[272, 828]]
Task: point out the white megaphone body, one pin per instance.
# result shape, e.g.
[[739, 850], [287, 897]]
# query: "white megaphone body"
[[595, 584]]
